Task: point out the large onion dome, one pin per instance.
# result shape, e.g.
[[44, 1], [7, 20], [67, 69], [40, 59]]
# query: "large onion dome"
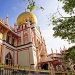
[[23, 17]]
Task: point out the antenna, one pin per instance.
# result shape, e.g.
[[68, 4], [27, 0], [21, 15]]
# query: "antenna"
[[7, 18], [25, 9]]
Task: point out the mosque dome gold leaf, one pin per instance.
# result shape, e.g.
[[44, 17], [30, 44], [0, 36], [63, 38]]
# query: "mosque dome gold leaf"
[[23, 17]]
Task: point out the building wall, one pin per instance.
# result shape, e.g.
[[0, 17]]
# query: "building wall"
[[23, 58], [27, 45]]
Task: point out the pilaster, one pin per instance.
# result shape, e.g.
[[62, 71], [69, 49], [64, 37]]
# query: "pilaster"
[[29, 33], [22, 38], [5, 35], [10, 40], [15, 27], [15, 57], [32, 65], [3, 54]]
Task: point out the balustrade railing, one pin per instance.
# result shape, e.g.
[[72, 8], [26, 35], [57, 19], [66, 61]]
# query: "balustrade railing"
[[19, 70]]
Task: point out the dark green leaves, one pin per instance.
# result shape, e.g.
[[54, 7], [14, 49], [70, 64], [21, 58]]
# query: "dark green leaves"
[[64, 28], [31, 6], [68, 6], [70, 53]]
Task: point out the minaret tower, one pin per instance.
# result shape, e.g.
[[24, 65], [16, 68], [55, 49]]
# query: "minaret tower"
[[26, 22], [7, 19]]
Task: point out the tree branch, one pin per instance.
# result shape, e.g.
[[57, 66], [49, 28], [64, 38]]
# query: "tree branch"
[[59, 11]]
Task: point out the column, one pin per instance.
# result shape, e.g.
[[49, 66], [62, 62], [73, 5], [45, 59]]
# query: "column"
[[0, 52], [15, 57], [22, 38], [3, 54], [31, 58], [15, 27], [29, 33], [5, 35], [10, 40]]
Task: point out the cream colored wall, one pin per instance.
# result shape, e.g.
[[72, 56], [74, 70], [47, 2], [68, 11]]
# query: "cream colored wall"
[[23, 58]]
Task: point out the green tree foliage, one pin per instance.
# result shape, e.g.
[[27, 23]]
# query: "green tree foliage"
[[64, 27], [69, 5], [70, 53], [31, 5]]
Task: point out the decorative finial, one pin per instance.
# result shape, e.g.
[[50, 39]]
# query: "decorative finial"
[[64, 47], [7, 15], [15, 23], [60, 50], [25, 9], [7, 19], [52, 50], [56, 51]]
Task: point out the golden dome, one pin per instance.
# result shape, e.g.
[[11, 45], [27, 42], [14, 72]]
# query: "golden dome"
[[23, 17]]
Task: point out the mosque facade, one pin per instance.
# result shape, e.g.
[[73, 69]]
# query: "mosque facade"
[[24, 44]]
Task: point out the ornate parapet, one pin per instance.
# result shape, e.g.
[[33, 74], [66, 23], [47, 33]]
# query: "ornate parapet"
[[2, 21]]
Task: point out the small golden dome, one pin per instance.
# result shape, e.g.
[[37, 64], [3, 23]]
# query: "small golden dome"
[[23, 17]]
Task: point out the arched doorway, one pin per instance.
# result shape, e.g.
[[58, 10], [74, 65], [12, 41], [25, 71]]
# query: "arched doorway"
[[8, 59], [45, 66]]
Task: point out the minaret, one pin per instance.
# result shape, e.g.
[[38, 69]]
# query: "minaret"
[[60, 50], [15, 27], [7, 19], [52, 50], [56, 51], [29, 32]]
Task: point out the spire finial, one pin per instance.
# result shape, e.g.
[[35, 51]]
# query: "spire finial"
[[56, 50], [52, 50], [7, 18], [25, 9], [7, 15]]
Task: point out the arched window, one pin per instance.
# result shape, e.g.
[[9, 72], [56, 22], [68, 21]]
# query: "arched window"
[[8, 59]]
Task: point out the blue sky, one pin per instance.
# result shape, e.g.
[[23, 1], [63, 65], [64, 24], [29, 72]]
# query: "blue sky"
[[14, 7]]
